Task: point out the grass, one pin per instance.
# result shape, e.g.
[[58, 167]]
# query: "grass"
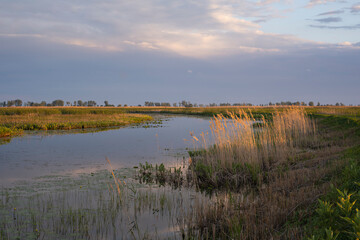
[[7, 132], [257, 111], [267, 181], [14, 120], [101, 205], [256, 181], [240, 154]]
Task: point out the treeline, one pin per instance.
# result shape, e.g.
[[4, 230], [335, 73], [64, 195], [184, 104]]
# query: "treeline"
[[57, 103], [311, 103], [190, 104], [91, 103]]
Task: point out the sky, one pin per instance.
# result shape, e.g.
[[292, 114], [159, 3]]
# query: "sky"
[[129, 52]]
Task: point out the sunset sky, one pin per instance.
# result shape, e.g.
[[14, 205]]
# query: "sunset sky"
[[129, 52]]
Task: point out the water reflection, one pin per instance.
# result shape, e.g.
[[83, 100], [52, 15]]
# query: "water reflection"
[[35, 155]]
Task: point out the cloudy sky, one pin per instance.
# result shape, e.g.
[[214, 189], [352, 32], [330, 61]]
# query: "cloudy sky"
[[161, 50]]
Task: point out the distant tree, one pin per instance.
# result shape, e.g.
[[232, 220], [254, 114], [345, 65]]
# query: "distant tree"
[[149, 104], [68, 103], [91, 103], [18, 102], [10, 103], [119, 105], [318, 104], [43, 103], [311, 103], [157, 104], [80, 103], [224, 104], [74, 103], [174, 104], [186, 104], [58, 102], [165, 104], [337, 104], [106, 103]]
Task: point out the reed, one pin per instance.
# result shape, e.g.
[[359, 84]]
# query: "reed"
[[240, 152]]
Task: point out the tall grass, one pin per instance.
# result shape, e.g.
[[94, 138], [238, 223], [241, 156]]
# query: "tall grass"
[[239, 151]]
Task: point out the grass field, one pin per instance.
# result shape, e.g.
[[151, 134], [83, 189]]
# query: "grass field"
[[15, 120]]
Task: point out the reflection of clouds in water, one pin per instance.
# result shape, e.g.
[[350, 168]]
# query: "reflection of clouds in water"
[[34, 155]]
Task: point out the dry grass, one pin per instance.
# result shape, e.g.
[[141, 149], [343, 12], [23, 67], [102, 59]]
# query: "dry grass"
[[37, 121], [267, 176], [242, 152]]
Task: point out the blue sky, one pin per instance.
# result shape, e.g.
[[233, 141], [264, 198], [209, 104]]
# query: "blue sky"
[[129, 52]]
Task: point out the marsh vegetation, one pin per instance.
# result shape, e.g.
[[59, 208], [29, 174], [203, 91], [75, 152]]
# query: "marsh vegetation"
[[290, 175], [13, 121]]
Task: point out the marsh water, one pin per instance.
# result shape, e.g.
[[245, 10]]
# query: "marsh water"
[[64, 152], [57, 184]]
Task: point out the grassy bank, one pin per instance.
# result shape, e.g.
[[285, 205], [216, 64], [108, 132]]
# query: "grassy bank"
[[267, 180], [257, 111], [271, 179], [14, 120]]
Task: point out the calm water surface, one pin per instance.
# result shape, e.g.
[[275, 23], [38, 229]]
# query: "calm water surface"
[[35, 155]]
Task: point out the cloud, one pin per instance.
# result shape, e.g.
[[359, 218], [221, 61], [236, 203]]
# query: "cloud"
[[45, 70], [349, 27], [188, 28], [355, 8], [331, 13], [329, 20], [312, 3]]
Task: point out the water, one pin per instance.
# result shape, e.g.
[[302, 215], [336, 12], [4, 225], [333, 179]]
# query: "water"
[[67, 193], [35, 155]]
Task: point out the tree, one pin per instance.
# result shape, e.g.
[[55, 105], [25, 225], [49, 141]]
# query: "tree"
[[311, 103], [18, 102], [10, 103], [106, 103], [58, 102]]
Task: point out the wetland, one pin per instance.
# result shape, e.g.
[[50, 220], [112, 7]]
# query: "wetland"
[[237, 175]]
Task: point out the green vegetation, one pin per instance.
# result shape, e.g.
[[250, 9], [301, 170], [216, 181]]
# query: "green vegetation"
[[258, 112], [337, 213], [14, 120]]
